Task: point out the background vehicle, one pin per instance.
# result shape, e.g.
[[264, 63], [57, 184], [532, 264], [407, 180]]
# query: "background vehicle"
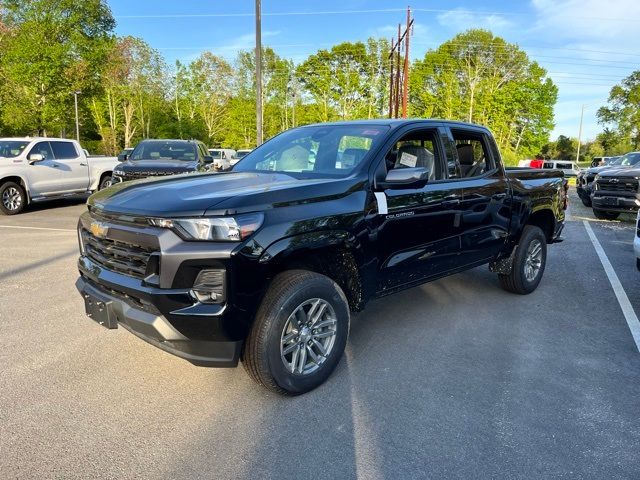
[[158, 158], [585, 178], [534, 163], [615, 191], [636, 241], [266, 262], [570, 169], [37, 169], [124, 154], [239, 155], [223, 158]]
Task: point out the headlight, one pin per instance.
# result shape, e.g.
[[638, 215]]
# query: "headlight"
[[217, 229]]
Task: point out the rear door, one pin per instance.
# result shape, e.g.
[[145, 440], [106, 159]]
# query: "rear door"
[[417, 229], [72, 164], [486, 197]]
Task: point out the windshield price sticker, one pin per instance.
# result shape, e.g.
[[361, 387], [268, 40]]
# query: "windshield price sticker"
[[408, 160]]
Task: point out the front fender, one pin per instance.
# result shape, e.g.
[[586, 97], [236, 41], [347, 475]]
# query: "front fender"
[[283, 248]]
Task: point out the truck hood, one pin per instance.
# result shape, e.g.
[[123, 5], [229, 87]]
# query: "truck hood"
[[630, 172], [214, 194]]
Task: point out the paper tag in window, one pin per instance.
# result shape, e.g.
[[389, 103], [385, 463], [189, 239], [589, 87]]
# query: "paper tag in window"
[[408, 160]]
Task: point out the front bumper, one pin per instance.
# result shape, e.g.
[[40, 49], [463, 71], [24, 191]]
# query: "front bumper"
[[615, 201], [154, 328]]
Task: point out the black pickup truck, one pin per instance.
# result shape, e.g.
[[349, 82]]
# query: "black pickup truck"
[[265, 263]]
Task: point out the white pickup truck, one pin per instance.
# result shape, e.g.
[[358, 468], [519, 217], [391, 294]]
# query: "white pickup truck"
[[37, 169]]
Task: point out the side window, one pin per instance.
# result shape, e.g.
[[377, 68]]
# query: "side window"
[[473, 154], [64, 150], [417, 149], [44, 149]]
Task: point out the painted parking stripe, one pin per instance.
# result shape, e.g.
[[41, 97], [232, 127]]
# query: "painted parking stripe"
[[623, 300], [39, 228]]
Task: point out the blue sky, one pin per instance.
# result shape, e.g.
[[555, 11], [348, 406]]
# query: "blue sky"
[[587, 46]]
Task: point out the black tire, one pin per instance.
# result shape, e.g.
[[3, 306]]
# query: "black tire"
[[604, 215], [105, 182], [261, 356], [517, 281], [586, 201], [13, 198]]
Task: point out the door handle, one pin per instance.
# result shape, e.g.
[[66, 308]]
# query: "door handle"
[[83, 164], [499, 196], [55, 165], [451, 203]]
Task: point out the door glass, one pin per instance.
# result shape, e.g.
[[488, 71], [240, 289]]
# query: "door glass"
[[417, 149], [473, 154], [44, 149], [64, 150]]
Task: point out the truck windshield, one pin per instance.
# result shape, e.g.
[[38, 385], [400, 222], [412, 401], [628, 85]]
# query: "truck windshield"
[[12, 148], [629, 159], [321, 150], [164, 150]]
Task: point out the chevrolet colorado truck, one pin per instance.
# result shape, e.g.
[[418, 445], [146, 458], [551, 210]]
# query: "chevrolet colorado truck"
[[266, 262], [584, 181], [38, 169]]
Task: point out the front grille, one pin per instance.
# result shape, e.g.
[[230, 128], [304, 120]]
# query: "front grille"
[[115, 255], [126, 176], [618, 185]]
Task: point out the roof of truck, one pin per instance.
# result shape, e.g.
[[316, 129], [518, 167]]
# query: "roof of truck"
[[399, 122], [31, 139]]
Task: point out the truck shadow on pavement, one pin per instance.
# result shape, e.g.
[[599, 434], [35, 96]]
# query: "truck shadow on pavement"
[[40, 263]]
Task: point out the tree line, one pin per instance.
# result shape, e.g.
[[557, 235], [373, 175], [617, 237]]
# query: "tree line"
[[52, 48]]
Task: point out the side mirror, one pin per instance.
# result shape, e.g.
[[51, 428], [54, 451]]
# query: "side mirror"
[[35, 157], [208, 159], [123, 157], [406, 178]]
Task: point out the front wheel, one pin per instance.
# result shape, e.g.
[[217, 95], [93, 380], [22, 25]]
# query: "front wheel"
[[586, 201], [299, 333], [13, 198], [604, 215], [105, 182], [529, 262]]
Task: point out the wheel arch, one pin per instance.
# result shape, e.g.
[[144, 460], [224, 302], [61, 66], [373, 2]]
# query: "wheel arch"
[[20, 181], [545, 220], [335, 254]]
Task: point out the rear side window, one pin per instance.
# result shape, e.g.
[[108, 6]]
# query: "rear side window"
[[473, 153], [64, 150]]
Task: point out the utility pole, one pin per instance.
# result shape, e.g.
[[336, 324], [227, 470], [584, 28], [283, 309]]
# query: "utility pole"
[[75, 102], [405, 86], [580, 134], [259, 137], [399, 80]]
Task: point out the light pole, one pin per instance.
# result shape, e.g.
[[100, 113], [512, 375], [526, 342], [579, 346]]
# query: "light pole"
[[75, 101], [580, 133]]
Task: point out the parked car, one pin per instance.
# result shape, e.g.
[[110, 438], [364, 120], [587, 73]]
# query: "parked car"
[[570, 169], [124, 154], [585, 178], [223, 158], [265, 265], [38, 169], [534, 163], [615, 191], [159, 158]]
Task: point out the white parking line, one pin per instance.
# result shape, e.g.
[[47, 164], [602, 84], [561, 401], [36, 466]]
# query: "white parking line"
[[623, 300], [39, 228]]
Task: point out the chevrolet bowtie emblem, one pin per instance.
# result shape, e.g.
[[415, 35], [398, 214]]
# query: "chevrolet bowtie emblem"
[[98, 229], [614, 180]]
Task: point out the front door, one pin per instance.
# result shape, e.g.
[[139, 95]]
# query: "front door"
[[417, 229]]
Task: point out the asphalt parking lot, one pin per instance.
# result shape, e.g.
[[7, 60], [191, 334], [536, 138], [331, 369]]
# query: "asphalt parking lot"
[[455, 379]]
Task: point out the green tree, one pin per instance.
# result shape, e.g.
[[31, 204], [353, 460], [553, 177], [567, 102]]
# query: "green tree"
[[55, 47], [478, 77], [623, 110]]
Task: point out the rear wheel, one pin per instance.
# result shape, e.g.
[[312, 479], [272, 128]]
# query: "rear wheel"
[[13, 198], [604, 215], [529, 262], [299, 333]]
